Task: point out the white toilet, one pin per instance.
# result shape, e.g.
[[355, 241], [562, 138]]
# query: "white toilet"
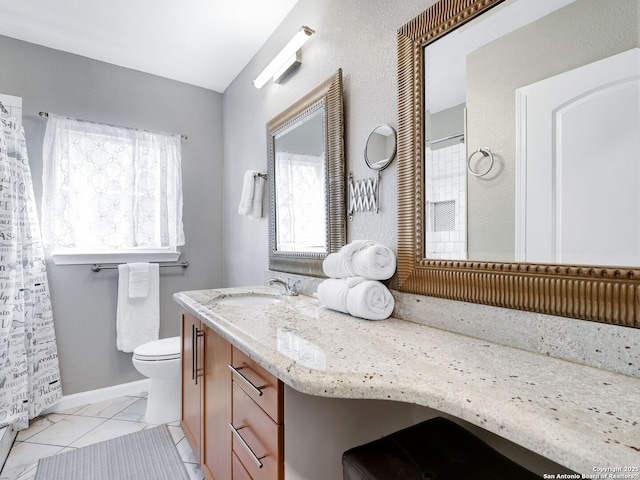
[[160, 361]]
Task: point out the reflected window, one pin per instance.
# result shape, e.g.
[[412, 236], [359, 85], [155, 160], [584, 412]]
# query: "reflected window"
[[300, 186]]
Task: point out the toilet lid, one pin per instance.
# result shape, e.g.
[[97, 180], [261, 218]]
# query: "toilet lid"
[[165, 349]]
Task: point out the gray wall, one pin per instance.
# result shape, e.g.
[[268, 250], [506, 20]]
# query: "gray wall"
[[360, 38], [84, 302]]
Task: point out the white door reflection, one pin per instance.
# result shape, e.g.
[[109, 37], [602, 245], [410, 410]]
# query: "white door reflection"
[[577, 171]]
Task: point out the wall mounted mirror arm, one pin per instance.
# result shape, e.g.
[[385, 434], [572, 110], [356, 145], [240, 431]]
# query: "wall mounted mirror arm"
[[379, 152]]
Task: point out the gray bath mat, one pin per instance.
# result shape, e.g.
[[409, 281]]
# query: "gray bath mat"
[[149, 454]]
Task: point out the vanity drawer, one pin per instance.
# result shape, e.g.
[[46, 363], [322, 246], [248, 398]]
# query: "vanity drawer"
[[257, 441], [238, 470], [264, 388]]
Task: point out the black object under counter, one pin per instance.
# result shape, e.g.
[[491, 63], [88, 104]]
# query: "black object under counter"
[[437, 449]]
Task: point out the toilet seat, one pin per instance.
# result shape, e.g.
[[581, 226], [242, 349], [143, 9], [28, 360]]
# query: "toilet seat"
[[158, 350]]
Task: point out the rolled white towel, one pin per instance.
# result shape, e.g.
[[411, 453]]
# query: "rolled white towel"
[[357, 296], [332, 293], [374, 261], [336, 265], [371, 300], [363, 258]]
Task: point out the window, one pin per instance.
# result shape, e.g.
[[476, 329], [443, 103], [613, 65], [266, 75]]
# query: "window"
[[110, 189]]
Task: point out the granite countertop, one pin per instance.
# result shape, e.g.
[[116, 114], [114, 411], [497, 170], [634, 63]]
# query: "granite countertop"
[[578, 416]]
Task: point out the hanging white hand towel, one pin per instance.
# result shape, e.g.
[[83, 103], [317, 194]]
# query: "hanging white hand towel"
[[138, 280], [138, 318], [252, 193], [258, 194]]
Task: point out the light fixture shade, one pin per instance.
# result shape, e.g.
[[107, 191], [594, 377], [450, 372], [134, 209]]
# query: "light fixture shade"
[[289, 66], [284, 57]]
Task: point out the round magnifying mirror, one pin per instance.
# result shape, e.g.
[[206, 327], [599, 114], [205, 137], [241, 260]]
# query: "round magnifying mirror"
[[380, 148]]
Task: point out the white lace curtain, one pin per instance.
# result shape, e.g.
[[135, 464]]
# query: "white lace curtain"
[[110, 188]]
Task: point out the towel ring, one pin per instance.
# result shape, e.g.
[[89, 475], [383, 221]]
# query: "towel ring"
[[485, 152]]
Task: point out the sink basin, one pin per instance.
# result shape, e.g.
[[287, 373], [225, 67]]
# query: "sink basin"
[[249, 300]]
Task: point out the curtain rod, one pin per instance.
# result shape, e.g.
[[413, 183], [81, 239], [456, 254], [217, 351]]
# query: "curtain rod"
[[450, 137], [46, 114]]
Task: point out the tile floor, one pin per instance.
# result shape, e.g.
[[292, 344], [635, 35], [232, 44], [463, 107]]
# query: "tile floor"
[[77, 427]]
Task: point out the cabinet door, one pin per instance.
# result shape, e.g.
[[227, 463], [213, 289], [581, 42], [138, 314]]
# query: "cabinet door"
[[191, 419], [216, 461]]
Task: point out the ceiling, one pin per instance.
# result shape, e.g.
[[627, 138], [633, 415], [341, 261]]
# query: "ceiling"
[[201, 42]]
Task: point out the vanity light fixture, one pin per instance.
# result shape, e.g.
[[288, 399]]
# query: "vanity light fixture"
[[286, 61]]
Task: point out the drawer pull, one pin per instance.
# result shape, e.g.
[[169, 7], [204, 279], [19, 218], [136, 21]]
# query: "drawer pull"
[[257, 390], [246, 446], [195, 370]]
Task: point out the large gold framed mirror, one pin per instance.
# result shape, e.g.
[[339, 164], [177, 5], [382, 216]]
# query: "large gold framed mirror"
[[306, 181], [593, 290]]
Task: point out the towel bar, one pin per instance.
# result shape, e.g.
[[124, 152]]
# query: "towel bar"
[[96, 267]]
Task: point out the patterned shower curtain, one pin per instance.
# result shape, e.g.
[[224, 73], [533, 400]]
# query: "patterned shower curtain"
[[29, 373]]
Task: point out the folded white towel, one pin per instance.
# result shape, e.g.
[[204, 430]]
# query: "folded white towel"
[[258, 194], [246, 197], [356, 296], [363, 258], [138, 319], [252, 193], [138, 280]]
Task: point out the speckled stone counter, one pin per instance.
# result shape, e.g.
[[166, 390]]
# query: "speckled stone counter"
[[579, 416]]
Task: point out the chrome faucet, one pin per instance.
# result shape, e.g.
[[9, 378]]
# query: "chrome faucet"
[[288, 288]]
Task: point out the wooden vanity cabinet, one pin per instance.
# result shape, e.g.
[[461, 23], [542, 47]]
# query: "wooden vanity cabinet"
[[232, 408], [206, 397]]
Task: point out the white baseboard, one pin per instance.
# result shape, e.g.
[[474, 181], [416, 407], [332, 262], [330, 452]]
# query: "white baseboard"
[[100, 394]]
